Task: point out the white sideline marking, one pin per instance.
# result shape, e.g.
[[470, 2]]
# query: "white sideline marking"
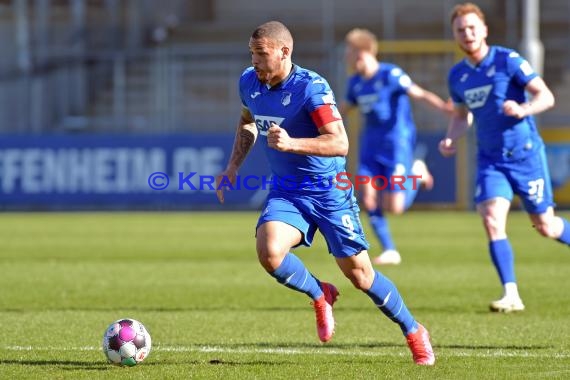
[[299, 351]]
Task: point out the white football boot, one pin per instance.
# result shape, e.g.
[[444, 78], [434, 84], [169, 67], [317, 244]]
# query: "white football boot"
[[420, 168], [507, 305], [388, 257]]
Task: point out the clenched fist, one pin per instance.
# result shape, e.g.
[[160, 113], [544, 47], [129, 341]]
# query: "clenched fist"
[[278, 138]]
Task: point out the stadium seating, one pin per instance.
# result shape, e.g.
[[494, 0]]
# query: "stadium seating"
[[144, 67]]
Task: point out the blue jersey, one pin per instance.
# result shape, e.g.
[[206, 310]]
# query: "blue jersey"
[[386, 111], [300, 104], [502, 75]]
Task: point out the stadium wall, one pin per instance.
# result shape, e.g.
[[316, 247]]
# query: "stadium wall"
[[150, 172]]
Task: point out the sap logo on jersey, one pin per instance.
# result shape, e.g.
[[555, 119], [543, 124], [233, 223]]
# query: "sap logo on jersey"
[[476, 97], [263, 123]]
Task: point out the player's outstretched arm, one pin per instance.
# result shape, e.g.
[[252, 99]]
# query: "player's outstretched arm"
[[542, 100], [458, 125], [430, 99], [331, 142], [246, 135]]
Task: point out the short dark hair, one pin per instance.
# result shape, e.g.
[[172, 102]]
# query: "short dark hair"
[[274, 30]]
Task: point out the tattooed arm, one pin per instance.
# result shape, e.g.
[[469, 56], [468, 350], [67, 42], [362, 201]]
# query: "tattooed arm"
[[245, 138]]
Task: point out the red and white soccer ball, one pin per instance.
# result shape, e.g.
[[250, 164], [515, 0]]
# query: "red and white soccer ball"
[[126, 342]]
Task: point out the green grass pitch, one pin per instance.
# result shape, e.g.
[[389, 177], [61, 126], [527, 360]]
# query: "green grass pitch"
[[193, 279]]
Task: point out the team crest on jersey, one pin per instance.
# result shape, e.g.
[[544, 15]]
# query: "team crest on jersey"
[[263, 123], [476, 97], [286, 99]]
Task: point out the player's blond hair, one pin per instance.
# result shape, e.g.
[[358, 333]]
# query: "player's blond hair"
[[466, 8], [362, 39]]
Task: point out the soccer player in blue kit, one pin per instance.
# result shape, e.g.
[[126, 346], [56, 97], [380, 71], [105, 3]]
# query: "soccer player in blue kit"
[[292, 112], [491, 84], [382, 92]]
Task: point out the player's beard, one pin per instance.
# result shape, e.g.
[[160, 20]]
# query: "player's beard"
[[264, 76], [472, 49], [261, 75]]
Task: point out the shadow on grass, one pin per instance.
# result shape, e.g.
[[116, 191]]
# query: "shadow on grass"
[[71, 365], [67, 364], [375, 345]]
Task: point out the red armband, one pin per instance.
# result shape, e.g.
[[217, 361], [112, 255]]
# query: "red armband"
[[325, 114]]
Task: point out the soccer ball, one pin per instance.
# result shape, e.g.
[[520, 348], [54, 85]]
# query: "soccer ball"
[[126, 342]]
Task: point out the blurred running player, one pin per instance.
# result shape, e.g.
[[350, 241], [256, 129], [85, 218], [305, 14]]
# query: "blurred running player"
[[491, 84], [292, 111], [382, 92]]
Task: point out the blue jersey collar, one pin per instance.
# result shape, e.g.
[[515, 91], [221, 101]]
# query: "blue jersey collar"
[[488, 59], [284, 81]]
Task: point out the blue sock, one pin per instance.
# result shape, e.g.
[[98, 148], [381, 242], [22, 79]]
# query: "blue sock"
[[503, 258], [565, 237], [381, 229], [385, 295], [293, 274]]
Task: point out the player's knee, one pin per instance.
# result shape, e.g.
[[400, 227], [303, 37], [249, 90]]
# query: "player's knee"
[[361, 284], [545, 229], [491, 224], [393, 207], [360, 280], [269, 256], [369, 203]]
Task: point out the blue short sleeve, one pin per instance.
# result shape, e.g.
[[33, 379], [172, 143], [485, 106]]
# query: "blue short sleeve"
[[520, 68]]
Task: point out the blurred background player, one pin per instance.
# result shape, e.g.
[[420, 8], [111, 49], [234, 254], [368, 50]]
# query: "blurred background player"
[[382, 92], [292, 111], [491, 83]]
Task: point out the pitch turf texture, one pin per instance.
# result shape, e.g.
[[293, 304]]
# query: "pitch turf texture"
[[194, 281]]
